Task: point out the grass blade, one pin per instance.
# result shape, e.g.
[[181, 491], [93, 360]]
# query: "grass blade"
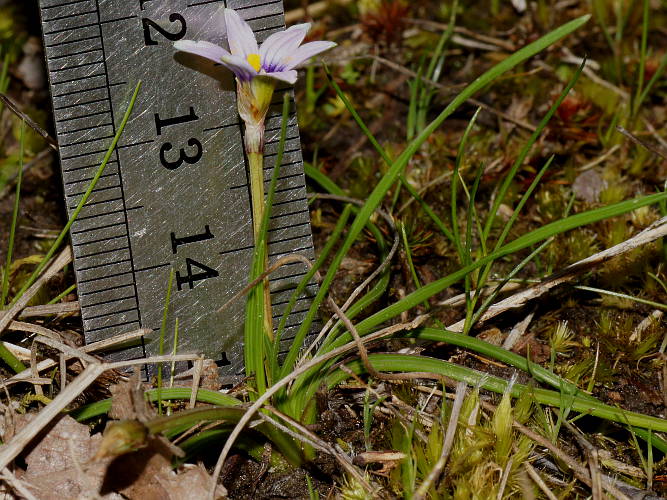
[[15, 216], [63, 234]]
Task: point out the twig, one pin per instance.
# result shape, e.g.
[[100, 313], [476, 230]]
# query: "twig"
[[593, 459], [439, 466], [498, 42], [36, 329], [196, 379], [47, 310], [655, 231], [44, 153], [600, 158], [56, 265], [383, 265], [448, 90], [243, 421], [29, 121], [16, 445], [72, 352], [363, 352], [578, 469], [655, 134], [639, 142], [503, 481], [97, 346], [316, 442], [539, 481], [517, 332], [12, 449], [16, 484], [283, 261]]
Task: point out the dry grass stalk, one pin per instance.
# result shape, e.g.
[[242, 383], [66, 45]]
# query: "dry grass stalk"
[[97, 346], [310, 437], [652, 233], [447, 443], [271, 391], [16, 445], [56, 265], [539, 481]]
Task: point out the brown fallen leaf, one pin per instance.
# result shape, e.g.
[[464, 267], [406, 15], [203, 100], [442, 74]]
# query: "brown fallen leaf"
[[148, 475], [387, 459], [59, 466]]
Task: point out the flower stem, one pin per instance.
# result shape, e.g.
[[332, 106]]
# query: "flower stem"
[[253, 101], [256, 164]]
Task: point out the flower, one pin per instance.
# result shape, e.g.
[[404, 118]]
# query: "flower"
[[277, 57]]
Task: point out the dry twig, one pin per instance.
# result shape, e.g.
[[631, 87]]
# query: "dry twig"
[[439, 466], [655, 231]]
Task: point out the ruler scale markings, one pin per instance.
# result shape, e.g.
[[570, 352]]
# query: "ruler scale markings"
[[66, 42], [84, 295], [116, 155], [99, 216], [114, 312], [97, 280], [189, 208], [72, 2], [97, 189], [76, 169], [74, 66], [114, 325], [97, 266], [109, 238], [98, 228], [78, 91], [79, 143], [69, 16], [88, 115], [74, 80], [101, 99], [69, 30], [86, 51]]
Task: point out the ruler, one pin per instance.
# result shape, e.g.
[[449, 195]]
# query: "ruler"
[[175, 194]]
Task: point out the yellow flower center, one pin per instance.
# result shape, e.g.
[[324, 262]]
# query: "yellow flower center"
[[254, 61]]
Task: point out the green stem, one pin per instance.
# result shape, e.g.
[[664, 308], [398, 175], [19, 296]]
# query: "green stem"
[[256, 165], [63, 234], [15, 214]]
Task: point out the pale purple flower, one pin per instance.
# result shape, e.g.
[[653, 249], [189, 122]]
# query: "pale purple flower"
[[277, 57]]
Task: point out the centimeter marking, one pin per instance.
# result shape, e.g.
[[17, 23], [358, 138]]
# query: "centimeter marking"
[[175, 193]]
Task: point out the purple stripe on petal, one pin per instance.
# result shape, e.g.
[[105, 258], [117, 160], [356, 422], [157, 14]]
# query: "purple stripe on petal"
[[240, 67], [283, 42], [239, 35]]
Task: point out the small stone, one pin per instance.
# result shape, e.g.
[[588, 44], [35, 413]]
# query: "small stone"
[[588, 186]]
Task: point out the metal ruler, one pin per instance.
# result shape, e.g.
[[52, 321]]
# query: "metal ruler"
[[175, 193]]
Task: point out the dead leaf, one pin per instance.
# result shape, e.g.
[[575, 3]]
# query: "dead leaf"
[[387, 459], [128, 402], [148, 475], [59, 465]]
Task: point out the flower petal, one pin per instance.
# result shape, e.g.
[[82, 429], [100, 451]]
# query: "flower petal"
[[285, 76], [240, 67], [239, 35], [304, 53], [281, 43], [205, 49]]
